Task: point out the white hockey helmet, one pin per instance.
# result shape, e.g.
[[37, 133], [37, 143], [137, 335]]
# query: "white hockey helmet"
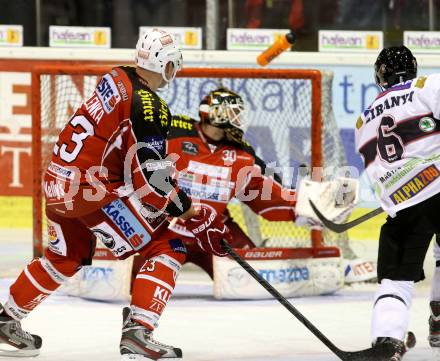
[[155, 49]]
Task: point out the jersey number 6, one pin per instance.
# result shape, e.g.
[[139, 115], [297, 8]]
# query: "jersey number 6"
[[389, 144], [77, 138]]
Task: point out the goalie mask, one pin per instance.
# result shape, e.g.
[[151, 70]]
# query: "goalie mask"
[[156, 49], [394, 65], [224, 109]]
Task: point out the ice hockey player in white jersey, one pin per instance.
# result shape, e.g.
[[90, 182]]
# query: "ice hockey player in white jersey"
[[398, 136]]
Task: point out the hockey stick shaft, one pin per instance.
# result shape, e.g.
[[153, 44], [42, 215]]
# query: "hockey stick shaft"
[[369, 354], [281, 299], [343, 227]]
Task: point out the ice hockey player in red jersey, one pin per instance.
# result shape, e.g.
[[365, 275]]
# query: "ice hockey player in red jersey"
[[110, 178], [398, 137], [215, 164]]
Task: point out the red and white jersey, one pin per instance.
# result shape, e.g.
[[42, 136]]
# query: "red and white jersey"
[[398, 137], [123, 124], [214, 173]]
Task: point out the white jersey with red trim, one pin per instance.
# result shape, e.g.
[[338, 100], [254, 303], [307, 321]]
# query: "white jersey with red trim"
[[398, 136]]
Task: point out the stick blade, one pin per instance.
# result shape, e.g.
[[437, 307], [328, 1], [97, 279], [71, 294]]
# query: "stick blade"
[[379, 352], [335, 227], [343, 227]]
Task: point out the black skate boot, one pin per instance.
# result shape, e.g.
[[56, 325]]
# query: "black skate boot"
[[15, 342], [137, 342], [434, 327], [393, 348]]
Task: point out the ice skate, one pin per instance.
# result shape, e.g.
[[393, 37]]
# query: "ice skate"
[[14, 342], [434, 328], [395, 348], [137, 342]]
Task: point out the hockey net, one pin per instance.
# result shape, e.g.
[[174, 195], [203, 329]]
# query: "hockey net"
[[291, 124]]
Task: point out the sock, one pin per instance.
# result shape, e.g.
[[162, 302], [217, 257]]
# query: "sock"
[[435, 285], [391, 309]]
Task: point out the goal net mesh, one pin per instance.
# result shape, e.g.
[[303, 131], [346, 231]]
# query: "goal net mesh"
[[280, 116]]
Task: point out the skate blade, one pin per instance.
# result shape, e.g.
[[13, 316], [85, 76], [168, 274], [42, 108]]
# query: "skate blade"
[[133, 357], [14, 352], [137, 357]]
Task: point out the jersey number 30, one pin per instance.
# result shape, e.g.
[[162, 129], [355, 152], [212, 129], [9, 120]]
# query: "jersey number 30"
[[389, 144], [77, 138]]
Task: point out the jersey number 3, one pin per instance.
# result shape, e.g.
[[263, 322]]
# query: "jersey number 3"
[[77, 139], [389, 144]]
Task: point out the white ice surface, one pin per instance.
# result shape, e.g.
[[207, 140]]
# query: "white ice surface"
[[74, 329]]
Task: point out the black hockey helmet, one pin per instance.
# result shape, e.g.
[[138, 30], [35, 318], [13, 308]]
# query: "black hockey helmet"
[[394, 65]]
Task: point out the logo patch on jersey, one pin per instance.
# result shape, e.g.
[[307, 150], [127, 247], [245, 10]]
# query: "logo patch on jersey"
[[54, 189], [181, 122], [177, 245], [147, 104], [205, 191], [152, 215], [415, 185], [190, 148], [123, 90], [60, 171], [107, 92], [106, 238], [52, 235], [125, 220], [208, 169], [57, 242], [154, 145], [420, 83], [94, 107], [427, 124]]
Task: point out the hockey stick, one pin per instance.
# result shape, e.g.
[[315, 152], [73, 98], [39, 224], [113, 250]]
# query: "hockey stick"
[[369, 354], [342, 227]]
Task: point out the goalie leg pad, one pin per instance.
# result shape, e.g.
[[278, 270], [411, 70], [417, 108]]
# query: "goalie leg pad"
[[391, 309]]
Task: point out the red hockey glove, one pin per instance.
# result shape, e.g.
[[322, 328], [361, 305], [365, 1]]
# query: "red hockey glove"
[[209, 230]]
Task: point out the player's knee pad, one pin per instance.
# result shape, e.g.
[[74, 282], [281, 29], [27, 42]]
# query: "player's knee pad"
[[398, 290]]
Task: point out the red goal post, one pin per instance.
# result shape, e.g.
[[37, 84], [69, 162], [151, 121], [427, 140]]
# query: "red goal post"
[[52, 85]]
